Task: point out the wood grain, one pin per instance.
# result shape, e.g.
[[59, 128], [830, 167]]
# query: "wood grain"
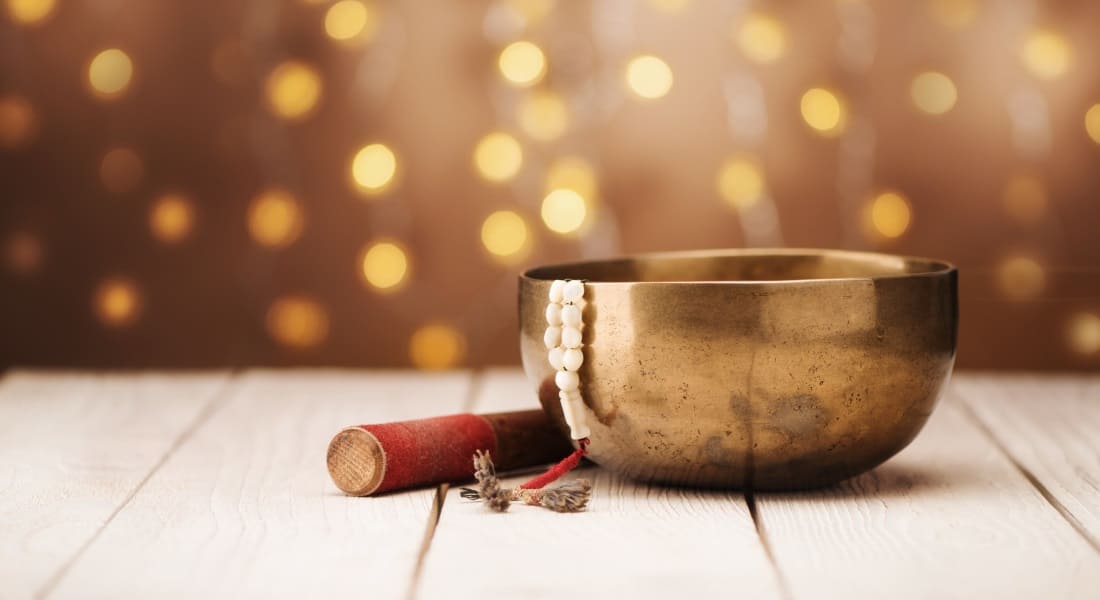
[[245, 507], [634, 541], [1051, 427], [949, 517], [205, 485], [73, 448]]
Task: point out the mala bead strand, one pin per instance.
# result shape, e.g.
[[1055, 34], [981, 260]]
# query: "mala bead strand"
[[564, 321], [564, 318]]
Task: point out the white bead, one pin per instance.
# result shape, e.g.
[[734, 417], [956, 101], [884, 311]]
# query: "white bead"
[[572, 359], [556, 290], [567, 380], [555, 357], [574, 290], [552, 337], [571, 337], [553, 314], [571, 315], [573, 411]]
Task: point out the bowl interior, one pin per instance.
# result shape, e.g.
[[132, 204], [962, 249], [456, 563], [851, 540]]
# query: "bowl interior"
[[743, 265]]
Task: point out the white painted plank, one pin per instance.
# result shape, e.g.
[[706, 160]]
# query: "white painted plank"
[[949, 517], [1051, 427], [73, 448], [504, 389], [245, 508], [634, 541]]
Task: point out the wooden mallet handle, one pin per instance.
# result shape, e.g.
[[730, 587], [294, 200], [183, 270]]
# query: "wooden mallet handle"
[[371, 459]]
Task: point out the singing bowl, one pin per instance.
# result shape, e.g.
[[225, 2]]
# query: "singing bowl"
[[753, 369]]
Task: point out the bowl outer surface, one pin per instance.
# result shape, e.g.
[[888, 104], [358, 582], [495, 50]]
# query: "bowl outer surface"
[[753, 384]]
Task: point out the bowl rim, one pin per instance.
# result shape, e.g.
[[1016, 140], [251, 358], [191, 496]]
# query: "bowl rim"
[[939, 268]]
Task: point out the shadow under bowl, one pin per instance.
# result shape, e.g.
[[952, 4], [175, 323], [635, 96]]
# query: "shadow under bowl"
[[754, 369]]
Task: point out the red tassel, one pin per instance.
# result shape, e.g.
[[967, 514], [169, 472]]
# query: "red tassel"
[[566, 465]]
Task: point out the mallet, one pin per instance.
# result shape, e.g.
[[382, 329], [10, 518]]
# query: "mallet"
[[370, 459]]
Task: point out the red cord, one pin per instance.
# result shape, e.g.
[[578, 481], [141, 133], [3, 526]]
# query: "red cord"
[[567, 464]]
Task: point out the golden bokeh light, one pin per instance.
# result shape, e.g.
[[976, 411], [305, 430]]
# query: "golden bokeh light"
[[669, 6], [18, 121], [1025, 198], [740, 182], [373, 168], [522, 63], [1083, 333], [823, 111], [297, 322], [564, 211], [532, 11], [351, 20], [1046, 54], [1020, 278], [293, 90], [504, 234], [121, 170], [572, 173], [117, 302], [543, 116], [110, 73], [933, 92], [954, 13], [23, 252], [275, 219], [649, 77], [384, 265], [890, 215], [498, 157], [30, 12], [171, 218], [762, 38], [1092, 122], [436, 346]]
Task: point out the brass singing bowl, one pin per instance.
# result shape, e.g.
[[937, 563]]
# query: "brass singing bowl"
[[753, 369]]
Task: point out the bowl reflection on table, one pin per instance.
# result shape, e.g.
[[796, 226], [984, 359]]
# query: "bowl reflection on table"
[[753, 369]]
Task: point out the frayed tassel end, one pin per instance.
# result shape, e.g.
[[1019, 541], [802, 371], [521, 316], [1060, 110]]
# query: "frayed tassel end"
[[496, 498], [572, 496]]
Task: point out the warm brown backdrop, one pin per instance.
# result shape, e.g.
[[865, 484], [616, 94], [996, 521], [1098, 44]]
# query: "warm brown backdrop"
[[87, 281]]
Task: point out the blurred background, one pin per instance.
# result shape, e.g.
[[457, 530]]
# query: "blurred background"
[[195, 183]]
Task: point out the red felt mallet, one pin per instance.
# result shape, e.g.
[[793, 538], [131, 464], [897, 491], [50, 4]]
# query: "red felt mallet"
[[371, 459]]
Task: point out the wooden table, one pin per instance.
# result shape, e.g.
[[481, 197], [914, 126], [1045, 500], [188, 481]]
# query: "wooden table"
[[214, 485]]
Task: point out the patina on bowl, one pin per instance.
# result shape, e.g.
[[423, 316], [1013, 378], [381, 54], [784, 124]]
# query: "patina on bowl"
[[752, 369]]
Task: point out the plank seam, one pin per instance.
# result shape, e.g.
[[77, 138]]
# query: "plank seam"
[[477, 381], [429, 533], [208, 410], [761, 534], [987, 431]]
